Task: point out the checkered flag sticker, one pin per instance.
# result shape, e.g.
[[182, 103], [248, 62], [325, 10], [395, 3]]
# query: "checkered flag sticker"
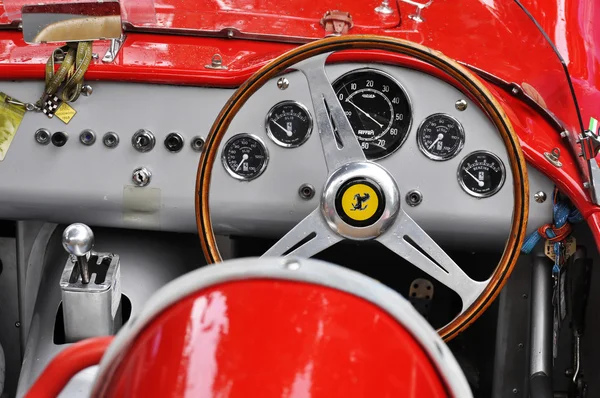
[[50, 106]]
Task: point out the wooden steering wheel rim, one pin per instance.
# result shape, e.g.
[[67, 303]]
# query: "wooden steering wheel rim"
[[367, 42]]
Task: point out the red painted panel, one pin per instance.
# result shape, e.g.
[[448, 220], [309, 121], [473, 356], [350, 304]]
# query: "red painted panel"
[[273, 339]]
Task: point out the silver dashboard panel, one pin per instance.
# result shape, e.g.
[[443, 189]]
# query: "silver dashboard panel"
[[92, 184]]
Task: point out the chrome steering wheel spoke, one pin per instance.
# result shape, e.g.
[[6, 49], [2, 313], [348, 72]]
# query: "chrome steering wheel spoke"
[[408, 240], [309, 237], [340, 145]]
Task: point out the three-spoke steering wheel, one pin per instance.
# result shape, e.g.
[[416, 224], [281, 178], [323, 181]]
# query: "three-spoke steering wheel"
[[341, 214]]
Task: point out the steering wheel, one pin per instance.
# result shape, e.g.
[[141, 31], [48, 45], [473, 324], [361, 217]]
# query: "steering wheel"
[[350, 174]]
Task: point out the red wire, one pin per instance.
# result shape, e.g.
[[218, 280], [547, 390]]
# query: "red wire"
[[68, 363]]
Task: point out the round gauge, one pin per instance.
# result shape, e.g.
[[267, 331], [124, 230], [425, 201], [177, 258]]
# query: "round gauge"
[[481, 174], [245, 157], [440, 137], [289, 124], [378, 110]]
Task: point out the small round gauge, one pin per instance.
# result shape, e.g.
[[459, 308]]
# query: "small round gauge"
[[245, 157], [377, 108], [481, 174], [440, 137], [289, 124]]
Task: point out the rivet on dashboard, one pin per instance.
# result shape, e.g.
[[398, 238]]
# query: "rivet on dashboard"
[[461, 105], [197, 143], [87, 137], [306, 191], [414, 198], [87, 90], [111, 139], [141, 176], [42, 136], [540, 196], [283, 83], [292, 264]]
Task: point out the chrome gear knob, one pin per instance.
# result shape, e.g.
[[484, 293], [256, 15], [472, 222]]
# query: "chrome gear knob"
[[78, 239]]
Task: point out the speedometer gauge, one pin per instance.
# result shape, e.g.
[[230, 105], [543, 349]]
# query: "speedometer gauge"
[[440, 137], [244, 157], [377, 108], [481, 174]]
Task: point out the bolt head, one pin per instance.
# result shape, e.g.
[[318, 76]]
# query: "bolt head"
[[141, 176], [78, 239], [283, 83], [461, 105], [540, 197]]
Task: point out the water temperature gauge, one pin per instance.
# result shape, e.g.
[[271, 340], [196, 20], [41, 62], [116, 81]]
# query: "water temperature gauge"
[[245, 157], [440, 137], [481, 174], [289, 124]]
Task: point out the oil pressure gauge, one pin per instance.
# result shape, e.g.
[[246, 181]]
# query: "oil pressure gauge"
[[245, 157], [440, 137], [289, 124], [481, 174]]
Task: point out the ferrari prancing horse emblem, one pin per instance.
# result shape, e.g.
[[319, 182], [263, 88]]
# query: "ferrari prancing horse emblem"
[[360, 199]]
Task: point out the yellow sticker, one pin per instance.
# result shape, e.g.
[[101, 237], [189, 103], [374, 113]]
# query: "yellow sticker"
[[11, 116], [65, 112], [360, 202], [570, 247]]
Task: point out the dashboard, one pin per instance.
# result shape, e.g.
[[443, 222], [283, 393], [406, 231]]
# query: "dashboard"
[[129, 156]]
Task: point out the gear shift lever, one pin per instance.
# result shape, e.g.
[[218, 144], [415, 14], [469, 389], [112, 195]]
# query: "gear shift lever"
[[78, 240]]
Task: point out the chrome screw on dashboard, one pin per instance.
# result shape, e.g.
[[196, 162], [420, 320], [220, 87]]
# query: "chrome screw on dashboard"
[[461, 105], [87, 137], [306, 191], [384, 8], [540, 197], [42, 136], [143, 140], [141, 176], [197, 143], [414, 198], [87, 90], [283, 83], [110, 139]]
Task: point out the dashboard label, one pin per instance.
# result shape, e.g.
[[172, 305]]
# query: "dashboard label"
[[10, 119]]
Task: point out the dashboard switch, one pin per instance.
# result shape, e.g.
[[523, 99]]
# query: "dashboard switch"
[[174, 142], [59, 138], [141, 176], [143, 140]]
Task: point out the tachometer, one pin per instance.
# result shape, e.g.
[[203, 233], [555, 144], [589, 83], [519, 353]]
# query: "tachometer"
[[245, 157], [378, 109], [481, 174], [440, 137]]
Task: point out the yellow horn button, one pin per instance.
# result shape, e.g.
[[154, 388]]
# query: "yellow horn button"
[[360, 202]]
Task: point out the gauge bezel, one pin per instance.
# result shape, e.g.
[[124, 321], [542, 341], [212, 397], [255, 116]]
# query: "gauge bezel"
[[408, 99], [438, 158], [268, 125], [231, 172], [477, 194]]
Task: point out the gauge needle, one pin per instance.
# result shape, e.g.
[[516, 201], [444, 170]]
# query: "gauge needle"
[[245, 157], [439, 137], [288, 132], [364, 113], [479, 182]]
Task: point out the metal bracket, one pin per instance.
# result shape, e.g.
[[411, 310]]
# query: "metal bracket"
[[417, 15], [114, 48]]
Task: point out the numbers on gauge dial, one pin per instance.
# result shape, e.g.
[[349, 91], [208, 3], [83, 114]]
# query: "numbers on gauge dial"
[[289, 124], [244, 157], [481, 174], [440, 137], [377, 108]]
